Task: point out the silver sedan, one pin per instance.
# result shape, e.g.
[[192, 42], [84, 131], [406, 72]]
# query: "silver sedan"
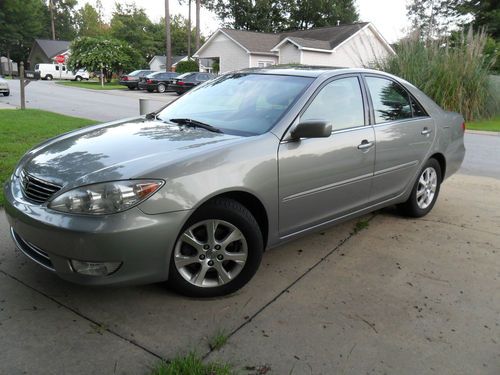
[[195, 192]]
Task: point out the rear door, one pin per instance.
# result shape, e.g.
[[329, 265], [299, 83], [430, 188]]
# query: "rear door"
[[324, 178], [404, 134]]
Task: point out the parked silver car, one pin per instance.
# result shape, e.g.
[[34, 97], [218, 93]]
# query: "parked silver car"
[[4, 87], [196, 192]]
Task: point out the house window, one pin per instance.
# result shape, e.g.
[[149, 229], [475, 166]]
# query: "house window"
[[263, 64]]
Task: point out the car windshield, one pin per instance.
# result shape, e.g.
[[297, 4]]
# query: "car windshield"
[[239, 103], [184, 75], [134, 73]]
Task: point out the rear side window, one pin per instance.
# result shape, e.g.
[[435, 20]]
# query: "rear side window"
[[390, 101], [340, 102], [418, 110]]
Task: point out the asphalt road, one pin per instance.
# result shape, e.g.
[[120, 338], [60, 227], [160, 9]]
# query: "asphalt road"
[[106, 105], [482, 156]]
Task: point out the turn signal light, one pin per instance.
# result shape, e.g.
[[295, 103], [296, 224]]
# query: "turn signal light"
[[463, 126]]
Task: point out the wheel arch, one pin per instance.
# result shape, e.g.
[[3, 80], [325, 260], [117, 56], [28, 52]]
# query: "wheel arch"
[[442, 163], [250, 202]]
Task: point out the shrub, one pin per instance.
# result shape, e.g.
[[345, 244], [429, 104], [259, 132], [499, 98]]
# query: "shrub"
[[454, 74], [187, 66]]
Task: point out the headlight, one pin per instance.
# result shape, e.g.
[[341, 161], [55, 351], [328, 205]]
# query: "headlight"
[[105, 198]]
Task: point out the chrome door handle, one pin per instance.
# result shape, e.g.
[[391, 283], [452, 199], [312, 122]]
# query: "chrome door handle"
[[426, 131], [365, 145]]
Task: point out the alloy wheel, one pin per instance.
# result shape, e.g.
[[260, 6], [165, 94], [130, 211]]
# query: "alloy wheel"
[[426, 189], [210, 253]]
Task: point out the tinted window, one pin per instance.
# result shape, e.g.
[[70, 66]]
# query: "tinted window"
[[390, 100], [418, 110], [239, 103], [340, 102]]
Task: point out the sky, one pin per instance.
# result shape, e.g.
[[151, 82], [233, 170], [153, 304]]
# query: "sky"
[[388, 16]]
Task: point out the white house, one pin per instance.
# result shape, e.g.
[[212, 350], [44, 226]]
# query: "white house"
[[353, 45]]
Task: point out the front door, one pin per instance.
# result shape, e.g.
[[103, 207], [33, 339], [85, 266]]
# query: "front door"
[[324, 178]]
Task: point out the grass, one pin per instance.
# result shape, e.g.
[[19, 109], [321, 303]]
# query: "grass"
[[21, 130], [93, 85], [191, 364], [455, 73], [218, 340], [360, 225], [491, 125]]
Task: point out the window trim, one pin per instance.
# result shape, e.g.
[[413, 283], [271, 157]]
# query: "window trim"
[[328, 81], [372, 108]]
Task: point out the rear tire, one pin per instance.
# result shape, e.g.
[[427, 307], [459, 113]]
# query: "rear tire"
[[49, 77], [6, 93], [202, 265], [131, 88], [425, 191], [78, 78], [161, 88], [179, 92]]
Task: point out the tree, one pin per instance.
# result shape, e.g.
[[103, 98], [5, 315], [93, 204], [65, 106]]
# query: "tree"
[[20, 23], [62, 14], [102, 54], [187, 66], [132, 25], [89, 20], [485, 13], [282, 15]]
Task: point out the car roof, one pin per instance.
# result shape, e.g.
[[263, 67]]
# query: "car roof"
[[308, 70]]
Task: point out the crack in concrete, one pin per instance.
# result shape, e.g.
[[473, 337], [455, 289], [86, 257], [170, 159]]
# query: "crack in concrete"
[[291, 285], [81, 315]]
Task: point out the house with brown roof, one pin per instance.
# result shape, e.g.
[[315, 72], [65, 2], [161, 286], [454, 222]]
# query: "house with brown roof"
[[45, 50], [353, 45]]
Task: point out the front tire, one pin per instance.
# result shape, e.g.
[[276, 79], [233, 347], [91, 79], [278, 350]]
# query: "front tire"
[[78, 78], [6, 93], [217, 252], [48, 77], [425, 191]]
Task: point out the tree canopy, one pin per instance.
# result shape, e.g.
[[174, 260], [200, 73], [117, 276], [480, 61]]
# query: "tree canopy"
[[280, 15]]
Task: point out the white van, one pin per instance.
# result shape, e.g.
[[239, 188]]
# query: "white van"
[[60, 71]]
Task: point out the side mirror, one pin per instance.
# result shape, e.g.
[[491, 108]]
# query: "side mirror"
[[312, 129]]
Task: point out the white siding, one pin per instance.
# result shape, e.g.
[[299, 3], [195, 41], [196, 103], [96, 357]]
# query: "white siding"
[[358, 52], [254, 59], [231, 55], [156, 65], [289, 54]]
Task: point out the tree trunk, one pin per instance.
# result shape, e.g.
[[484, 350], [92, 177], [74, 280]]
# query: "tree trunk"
[[189, 29], [197, 40], [52, 24], [168, 65]]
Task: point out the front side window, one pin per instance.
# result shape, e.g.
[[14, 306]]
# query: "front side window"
[[239, 103], [339, 102], [390, 100]]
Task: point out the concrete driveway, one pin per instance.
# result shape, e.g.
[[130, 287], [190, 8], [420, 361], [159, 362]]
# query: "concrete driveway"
[[401, 296]]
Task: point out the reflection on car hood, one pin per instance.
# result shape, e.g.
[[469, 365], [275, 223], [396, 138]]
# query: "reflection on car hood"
[[116, 151]]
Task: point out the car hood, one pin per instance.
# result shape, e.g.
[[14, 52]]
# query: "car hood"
[[132, 149]]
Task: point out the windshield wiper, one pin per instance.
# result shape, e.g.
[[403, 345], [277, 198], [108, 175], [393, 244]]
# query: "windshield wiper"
[[194, 124]]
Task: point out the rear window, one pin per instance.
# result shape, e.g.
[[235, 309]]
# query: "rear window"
[[134, 73]]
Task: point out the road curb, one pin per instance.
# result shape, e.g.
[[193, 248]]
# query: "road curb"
[[483, 132]]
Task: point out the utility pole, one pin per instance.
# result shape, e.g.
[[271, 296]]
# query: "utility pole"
[[168, 39], [23, 84], [197, 40], [51, 8], [189, 29]]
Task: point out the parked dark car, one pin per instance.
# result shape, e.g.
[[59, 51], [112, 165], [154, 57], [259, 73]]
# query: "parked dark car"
[[187, 81], [131, 80], [158, 81]]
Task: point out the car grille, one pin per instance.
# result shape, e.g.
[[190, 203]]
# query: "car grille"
[[33, 252], [37, 190]]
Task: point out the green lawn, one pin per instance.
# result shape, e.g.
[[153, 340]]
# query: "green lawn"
[[93, 85], [492, 125], [21, 130]]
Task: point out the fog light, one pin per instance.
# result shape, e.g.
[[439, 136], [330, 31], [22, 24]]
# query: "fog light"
[[95, 268]]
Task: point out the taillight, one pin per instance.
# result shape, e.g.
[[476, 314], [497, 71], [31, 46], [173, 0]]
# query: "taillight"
[[149, 81], [463, 126], [180, 83], [125, 78]]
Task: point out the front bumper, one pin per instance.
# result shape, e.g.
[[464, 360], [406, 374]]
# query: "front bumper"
[[143, 243], [4, 89]]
